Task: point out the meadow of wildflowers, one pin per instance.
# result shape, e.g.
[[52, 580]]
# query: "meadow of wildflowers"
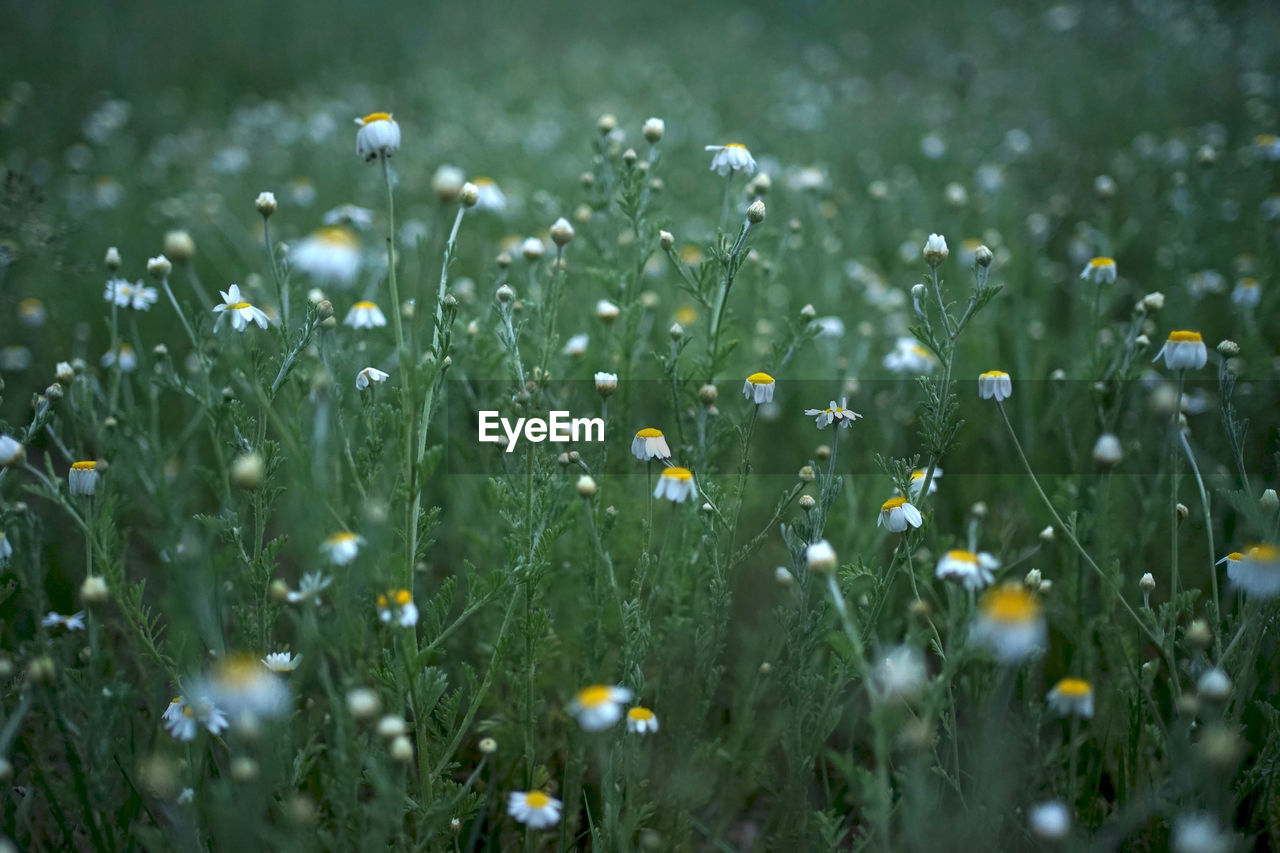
[[740, 428]]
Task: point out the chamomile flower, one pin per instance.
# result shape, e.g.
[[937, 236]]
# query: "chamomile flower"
[[379, 135], [821, 557], [837, 414], [369, 376], [935, 250], [909, 356], [245, 689], [650, 443], [31, 312], [119, 292], [758, 388], [74, 622], [365, 315], [731, 158], [1100, 270], [349, 214], [576, 346], [309, 589], [6, 548], [534, 809], [1247, 294], [1184, 350], [1050, 820], [1256, 571], [676, 484], [899, 675], [281, 661], [126, 357], [641, 720], [917, 481], [606, 383], [1010, 623], [995, 385], [182, 718], [1072, 696], [397, 605], [896, 515], [241, 312], [82, 479], [329, 255], [972, 571], [12, 452], [491, 197], [342, 547], [599, 706]]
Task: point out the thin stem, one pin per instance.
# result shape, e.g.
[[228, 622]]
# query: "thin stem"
[[444, 280], [724, 207], [1208, 529], [1173, 495], [281, 293], [391, 261]]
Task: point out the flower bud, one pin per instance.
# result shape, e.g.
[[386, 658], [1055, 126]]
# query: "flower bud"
[[676, 331], [561, 232], [806, 502], [179, 246], [918, 291], [159, 267], [653, 130], [1182, 512], [12, 453], [606, 311], [935, 250], [982, 256], [265, 203], [112, 259], [807, 474], [247, 471], [783, 577], [755, 212], [401, 749], [488, 746], [1153, 301], [708, 394], [606, 123], [1269, 502], [1147, 583], [1047, 534], [1228, 348], [629, 157], [469, 195], [505, 294], [821, 557], [666, 240], [1107, 451], [586, 486], [363, 703], [1033, 580], [1199, 636], [94, 590], [278, 591]]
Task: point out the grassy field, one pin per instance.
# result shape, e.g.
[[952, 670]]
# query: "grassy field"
[[959, 533]]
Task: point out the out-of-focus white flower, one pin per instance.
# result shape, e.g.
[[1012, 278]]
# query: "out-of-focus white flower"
[[396, 605], [1010, 623], [731, 158], [1101, 270], [1256, 571], [576, 346], [534, 809], [676, 484], [182, 719], [369, 376], [342, 547], [82, 479], [1247, 294], [281, 661], [309, 589], [126, 357], [490, 197], [6, 548], [329, 255], [641, 720], [1072, 696], [599, 706], [909, 356], [821, 557], [973, 571], [365, 315], [11, 451], [1050, 820], [246, 689], [74, 622], [899, 675], [349, 214], [379, 135], [1199, 833]]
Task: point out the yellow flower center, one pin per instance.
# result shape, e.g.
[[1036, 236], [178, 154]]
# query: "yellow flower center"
[[994, 374], [365, 305], [1248, 282], [1011, 603], [372, 117], [892, 503], [1265, 139], [916, 349], [736, 145], [483, 182], [30, 306], [336, 235], [382, 602], [536, 800], [188, 711], [640, 714], [681, 474], [970, 245], [403, 597], [83, 466], [1183, 336], [687, 315], [239, 670], [340, 538], [962, 556], [917, 474], [1235, 556], [1263, 552], [691, 255], [649, 432], [1074, 688], [236, 306], [1102, 262], [593, 696], [760, 379]]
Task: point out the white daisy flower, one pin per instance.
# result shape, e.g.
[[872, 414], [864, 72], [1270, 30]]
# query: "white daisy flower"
[[534, 809], [1049, 820], [82, 479], [1010, 623], [342, 547], [143, 297], [650, 443], [240, 311], [126, 357], [1072, 696], [1256, 571], [1184, 350], [896, 515], [758, 388], [1101, 270], [309, 589], [676, 484], [839, 415], [995, 384], [641, 720], [329, 255], [378, 135], [731, 158], [909, 356], [606, 383], [74, 622], [245, 689], [917, 481], [369, 376], [182, 719], [6, 548], [281, 661], [972, 571], [31, 312], [119, 292], [397, 605], [821, 557], [491, 197], [1247, 294], [576, 346], [365, 315], [599, 706], [899, 675], [349, 214]]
